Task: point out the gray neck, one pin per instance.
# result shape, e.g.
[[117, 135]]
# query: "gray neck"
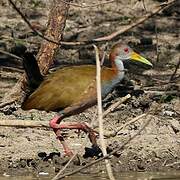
[[106, 88], [120, 67]]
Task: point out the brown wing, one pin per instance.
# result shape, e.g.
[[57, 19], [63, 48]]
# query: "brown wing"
[[64, 88]]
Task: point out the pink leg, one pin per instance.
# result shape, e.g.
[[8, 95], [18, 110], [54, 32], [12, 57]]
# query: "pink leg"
[[55, 124]]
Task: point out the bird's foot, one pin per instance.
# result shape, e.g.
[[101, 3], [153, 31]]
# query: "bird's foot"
[[67, 151], [92, 134], [54, 123]]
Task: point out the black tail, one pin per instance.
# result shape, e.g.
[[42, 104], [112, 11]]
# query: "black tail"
[[32, 70]]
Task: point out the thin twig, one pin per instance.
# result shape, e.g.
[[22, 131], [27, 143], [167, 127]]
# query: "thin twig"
[[160, 93], [118, 129], [130, 122], [12, 69], [115, 105], [24, 123], [104, 53], [111, 153], [174, 73], [100, 114], [157, 43], [89, 6], [10, 54], [63, 169], [29, 24], [111, 109]]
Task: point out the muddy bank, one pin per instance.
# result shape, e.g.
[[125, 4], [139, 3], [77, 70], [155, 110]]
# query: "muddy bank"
[[157, 148]]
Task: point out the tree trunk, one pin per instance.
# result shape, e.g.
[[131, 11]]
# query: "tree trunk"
[[56, 24]]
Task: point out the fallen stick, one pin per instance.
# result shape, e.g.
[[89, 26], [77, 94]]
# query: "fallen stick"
[[11, 69], [109, 134], [158, 93], [24, 123], [115, 105], [175, 71], [10, 54], [36, 124]]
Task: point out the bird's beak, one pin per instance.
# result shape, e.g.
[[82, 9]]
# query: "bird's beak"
[[136, 57]]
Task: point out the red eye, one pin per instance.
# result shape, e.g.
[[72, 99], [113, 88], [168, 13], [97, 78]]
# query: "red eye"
[[126, 50]]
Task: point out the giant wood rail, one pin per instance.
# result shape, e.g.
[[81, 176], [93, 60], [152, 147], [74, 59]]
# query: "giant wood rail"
[[71, 90]]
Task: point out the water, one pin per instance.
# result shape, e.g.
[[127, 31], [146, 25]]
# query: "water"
[[172, 175]]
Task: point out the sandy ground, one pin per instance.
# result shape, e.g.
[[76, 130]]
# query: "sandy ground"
[[157, 148]]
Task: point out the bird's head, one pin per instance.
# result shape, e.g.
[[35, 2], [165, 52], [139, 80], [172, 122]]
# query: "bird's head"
[[121, 53]]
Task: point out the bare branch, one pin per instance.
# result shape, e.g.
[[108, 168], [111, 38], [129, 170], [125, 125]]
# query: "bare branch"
[[157, 42], [29, 24], [100, 114], [24, 123], [115, 105], [160, 93], [89, 6], [10, 54], [174, 73], [63, 169], [12, 69], [130, 122]]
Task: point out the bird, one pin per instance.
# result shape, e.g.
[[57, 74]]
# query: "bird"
[[71, 90]]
